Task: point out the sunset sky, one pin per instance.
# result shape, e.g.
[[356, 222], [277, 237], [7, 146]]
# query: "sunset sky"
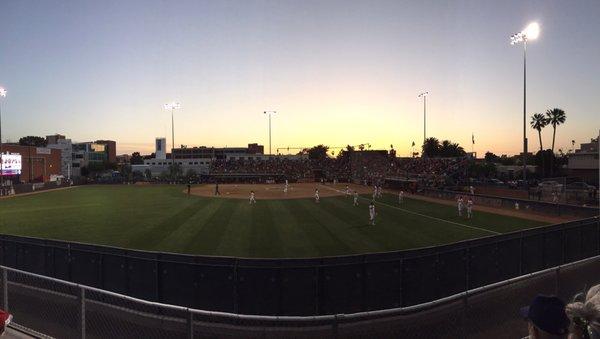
[[337, 72]]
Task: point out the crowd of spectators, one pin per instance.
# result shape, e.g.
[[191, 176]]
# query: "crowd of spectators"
[[365, 167]]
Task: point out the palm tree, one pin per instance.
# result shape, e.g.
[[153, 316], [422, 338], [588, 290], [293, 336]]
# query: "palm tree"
[[539, 121], [431, 147], [556, 116]]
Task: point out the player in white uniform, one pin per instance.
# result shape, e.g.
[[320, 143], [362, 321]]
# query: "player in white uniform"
[[375, 192], [252, 198], [469, 208], [379, 191], [516, 205], [372, 213], [472, 190], [401, 197], [460, 202], [317, 195], [347, 190], [355, 198]]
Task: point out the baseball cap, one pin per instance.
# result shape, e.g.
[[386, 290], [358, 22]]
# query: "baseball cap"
[[548, 314]]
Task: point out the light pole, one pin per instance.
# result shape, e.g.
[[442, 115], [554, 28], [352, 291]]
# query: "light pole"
[[2, 95], [424, 96], [269, 113], [531, 32], [172, 106]]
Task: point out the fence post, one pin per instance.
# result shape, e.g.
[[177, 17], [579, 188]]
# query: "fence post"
[[81, 324], [4, 290], [190, 324]]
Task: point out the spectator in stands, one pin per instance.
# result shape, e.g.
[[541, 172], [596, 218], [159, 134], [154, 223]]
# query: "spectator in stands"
[[584, 313], [546, 318]]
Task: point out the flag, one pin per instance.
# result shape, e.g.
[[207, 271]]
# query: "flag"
[[413, 145], [473, 138]]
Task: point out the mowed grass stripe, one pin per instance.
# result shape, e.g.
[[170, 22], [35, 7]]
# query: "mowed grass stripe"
[[264, 235], [294, 240], [316, 229], [211, 232], [236, 239], [200, 211]]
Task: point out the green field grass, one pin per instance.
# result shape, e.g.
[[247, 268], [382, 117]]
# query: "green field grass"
[[163, 218]]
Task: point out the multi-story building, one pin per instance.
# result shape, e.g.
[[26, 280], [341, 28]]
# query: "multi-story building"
[[110, 149], [583, 163], [197, 159], [65, 146], [38, 164], [86, 154]]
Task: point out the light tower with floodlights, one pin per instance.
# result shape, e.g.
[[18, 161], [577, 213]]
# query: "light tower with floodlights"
[[2, 95], [269, 113], [531, 32], [424, 96], [172, 106]]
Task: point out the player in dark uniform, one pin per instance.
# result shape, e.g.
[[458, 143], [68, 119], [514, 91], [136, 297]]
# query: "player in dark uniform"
[[217, 189]]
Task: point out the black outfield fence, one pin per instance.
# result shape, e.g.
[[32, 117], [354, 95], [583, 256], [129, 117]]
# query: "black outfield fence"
[[319, 286]]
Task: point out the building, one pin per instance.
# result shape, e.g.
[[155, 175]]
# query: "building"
[[161, 148], [65, 146], [583, 163], [38, 164], [88, 155], [197, 159], [110, 149], [123, 159]]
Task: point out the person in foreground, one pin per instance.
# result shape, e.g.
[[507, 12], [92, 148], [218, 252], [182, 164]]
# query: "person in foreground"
[[546, 318], [584, 313]]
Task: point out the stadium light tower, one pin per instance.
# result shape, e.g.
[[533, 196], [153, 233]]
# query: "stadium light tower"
[[172, 106], [424, 96], [2, 95], [269, 113], [531, 32]]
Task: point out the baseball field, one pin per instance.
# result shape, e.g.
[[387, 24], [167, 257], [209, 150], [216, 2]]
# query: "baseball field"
[[165, 218]]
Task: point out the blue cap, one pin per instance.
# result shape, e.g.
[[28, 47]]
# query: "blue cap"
[[548, 314]]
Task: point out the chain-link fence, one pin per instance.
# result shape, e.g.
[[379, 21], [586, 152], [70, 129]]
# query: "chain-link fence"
[[66, 310]]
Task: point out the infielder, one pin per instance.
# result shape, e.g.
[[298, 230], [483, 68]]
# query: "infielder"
[[372, 213], [317, 195], [355, 198], [252, 198], [347, 190], [401, 197]]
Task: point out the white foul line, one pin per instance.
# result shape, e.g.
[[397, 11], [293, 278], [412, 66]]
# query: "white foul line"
[[424, 215]]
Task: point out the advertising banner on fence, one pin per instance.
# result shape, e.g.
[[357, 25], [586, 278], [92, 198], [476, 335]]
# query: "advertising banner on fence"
[[10, 164]]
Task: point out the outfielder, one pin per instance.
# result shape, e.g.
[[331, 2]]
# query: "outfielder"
[[317, 195], [252, 198], [460, 206], [372, 213], [355, 198], [469, 208], [401, 197]]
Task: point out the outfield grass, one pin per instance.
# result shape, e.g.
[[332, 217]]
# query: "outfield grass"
[[162, 218]]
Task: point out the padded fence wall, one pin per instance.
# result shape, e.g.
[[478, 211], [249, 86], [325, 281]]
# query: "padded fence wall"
[[319, 286]]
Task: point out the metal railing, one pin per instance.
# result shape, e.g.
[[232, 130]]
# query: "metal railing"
[[63, 309]]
